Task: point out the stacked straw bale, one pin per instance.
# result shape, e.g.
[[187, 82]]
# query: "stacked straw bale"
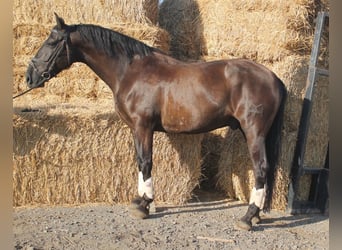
[[182, 20], [262, 30], [32, 24], [98, 11], [74, 153], [54, 153], [82, 152], [275, 33]]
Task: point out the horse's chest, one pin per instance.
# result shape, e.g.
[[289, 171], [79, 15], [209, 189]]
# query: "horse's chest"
[[135, 106]]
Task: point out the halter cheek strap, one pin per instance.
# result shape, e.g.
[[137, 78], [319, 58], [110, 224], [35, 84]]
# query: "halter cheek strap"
[[65, 41], [48, 74]]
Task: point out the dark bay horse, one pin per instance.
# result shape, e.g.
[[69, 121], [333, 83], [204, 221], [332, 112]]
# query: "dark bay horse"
[[155, 92]]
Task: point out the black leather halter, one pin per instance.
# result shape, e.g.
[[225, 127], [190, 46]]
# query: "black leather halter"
[[49, 73]]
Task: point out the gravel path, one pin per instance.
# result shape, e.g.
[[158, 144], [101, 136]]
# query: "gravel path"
[[196, 225]]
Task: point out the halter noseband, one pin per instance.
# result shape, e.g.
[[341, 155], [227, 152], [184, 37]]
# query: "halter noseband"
[[48, 74]]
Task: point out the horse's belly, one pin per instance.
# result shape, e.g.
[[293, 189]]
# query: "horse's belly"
[[192, 122], [190, 111], [177, 123], [190, 129]]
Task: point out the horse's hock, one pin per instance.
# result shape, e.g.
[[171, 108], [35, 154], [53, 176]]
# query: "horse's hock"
[[72, 154]]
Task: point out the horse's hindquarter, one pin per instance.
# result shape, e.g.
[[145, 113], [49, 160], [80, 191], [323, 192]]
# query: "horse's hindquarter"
[[256, 98]]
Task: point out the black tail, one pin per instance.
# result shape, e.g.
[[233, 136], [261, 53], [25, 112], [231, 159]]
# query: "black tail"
[[273, 144]]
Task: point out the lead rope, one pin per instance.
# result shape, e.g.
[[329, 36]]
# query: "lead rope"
[[23, 93], [26, 91]]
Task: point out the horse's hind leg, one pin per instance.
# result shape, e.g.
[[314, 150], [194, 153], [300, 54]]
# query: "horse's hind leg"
[[143, 139], [256, 147]]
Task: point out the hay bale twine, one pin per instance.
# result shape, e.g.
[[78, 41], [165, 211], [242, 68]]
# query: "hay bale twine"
[[82, 152]]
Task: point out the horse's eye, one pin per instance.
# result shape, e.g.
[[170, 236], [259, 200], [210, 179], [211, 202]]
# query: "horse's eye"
[[53, 39]]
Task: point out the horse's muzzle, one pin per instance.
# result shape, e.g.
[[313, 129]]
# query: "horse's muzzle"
[[34, 80]]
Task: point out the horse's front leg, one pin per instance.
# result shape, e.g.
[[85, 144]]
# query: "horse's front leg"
[[143, 140]]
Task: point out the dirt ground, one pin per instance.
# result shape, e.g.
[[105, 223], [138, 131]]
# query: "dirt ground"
[[200, 224]]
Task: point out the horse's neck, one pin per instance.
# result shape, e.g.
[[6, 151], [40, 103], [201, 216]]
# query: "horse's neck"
[[109, 69]]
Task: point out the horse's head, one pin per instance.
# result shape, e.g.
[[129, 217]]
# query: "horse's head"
[[52, 57]]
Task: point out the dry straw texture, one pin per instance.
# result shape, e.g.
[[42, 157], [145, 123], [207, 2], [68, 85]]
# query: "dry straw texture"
[[98, 11], [262, 30], [278, 34], [182, 20], [78, 153]]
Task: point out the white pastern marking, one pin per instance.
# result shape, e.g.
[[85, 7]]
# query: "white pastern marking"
[[145, 187], [258, 197], [140, 184]]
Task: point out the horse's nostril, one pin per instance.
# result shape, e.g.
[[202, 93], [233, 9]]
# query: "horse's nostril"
[[28, 80]]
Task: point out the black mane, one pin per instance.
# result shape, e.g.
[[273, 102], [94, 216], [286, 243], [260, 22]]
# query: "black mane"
[[113, 43]]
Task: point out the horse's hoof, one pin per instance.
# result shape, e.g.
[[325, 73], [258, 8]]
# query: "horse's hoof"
[[136, 210], [135, 203], [244, 224], [256, 219]]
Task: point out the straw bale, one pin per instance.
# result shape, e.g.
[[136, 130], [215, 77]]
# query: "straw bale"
[[262, 30], [79, 80], [80, 152], [181, 19], [98, 11], [275, 33], [212, 146], [318, 136]]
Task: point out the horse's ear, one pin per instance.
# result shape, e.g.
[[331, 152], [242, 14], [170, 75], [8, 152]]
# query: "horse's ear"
[[60, 22]]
